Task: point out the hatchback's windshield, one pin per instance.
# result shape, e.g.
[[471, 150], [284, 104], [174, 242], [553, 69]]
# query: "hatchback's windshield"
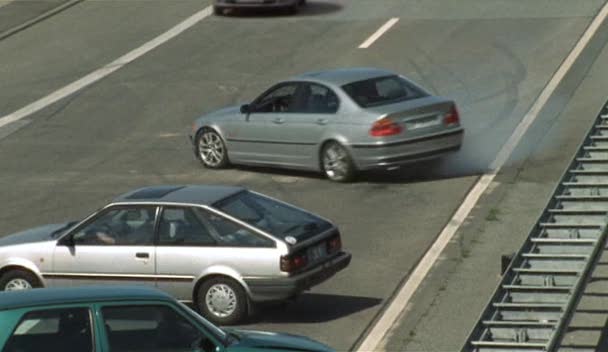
[[382, 91], [274, 217]]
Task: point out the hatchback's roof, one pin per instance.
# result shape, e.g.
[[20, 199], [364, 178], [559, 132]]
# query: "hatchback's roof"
[[344, 76], [52, 296], [197, 194]]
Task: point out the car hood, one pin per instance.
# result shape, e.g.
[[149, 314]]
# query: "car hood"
[[37, 234], [229, 111], [271, 340]]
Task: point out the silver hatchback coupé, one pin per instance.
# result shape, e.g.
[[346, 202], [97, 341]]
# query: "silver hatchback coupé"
[[222, 248], [336, 121]]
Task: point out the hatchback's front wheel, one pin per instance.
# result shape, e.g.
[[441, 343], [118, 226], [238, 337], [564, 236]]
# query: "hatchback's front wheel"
[[336, 162], [211, 149], [223, 301]]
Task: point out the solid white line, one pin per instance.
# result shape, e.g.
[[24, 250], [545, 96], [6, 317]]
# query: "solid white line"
[[406, 291], [385, 27], [106, 70]]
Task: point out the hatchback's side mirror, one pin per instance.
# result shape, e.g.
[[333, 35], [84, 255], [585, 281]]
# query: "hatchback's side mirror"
[[67, 241], [245, 109]]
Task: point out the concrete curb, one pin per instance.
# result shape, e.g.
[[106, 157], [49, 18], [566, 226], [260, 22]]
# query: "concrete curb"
[[39, 18]]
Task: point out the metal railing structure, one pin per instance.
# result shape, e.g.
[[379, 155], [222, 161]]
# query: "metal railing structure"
[[543, 284]]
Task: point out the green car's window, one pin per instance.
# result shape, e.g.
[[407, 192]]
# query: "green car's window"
[[152, 328], [67, 329], [132, 225], [180, 227]]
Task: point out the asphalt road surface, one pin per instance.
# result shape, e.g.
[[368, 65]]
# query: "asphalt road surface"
[[129, 129]]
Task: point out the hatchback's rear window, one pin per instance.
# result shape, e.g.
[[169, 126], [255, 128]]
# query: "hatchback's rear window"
[[382, 91], [276, 218]]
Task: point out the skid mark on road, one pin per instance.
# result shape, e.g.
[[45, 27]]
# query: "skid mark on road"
[[372, 341]]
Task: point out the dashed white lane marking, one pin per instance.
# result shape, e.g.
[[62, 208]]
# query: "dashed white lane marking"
[[107, 69], [385, 27], [373, 340]]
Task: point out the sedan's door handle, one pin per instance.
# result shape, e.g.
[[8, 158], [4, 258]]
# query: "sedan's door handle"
[[279, 120], [142, 255], [322, 121]]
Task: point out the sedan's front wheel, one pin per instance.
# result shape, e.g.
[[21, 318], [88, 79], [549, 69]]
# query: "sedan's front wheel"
[[211, 149], [337, 164], [223, 301], [18, 280]]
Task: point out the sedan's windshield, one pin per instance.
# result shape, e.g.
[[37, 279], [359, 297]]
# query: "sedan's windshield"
[[382, 91], [276, 218]]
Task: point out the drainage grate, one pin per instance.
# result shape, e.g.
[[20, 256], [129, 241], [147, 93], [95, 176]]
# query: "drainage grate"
[[541, 287]]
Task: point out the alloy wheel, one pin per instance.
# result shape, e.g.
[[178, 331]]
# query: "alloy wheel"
[[211, 149]]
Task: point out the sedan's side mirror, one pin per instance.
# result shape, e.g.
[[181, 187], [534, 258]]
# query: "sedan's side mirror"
[[245, 109]]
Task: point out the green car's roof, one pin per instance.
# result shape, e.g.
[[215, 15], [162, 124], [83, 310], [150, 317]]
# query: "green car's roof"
[[50, 296]]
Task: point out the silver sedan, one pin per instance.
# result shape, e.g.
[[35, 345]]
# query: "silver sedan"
[[337, 122], [221, 248]]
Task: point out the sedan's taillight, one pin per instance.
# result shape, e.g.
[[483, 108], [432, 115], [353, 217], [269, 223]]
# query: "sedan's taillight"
[[452, 117], [385, 127], [293, 262], [334, 244]]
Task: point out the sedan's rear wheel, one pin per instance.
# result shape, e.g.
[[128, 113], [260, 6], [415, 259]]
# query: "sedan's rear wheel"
[[211, 149], [18, 280], [223, 301], [337, 164]]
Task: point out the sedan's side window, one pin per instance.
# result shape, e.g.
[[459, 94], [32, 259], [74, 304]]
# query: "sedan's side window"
[[319, 100], [152, 328], [179, 226], [232, 234], [131, 225], [280, 99], [66, 329]]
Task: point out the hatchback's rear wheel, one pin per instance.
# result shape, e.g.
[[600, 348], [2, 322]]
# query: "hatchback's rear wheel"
[[18, 280], [211, 149], [336, 162], [222, 300]]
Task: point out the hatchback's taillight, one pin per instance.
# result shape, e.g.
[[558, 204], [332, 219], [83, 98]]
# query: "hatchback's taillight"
[[334, 244], [293, 262], [385, 127], [452, 117]]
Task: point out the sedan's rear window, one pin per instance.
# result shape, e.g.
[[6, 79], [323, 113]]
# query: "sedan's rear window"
[[276, 218], [382, 91]]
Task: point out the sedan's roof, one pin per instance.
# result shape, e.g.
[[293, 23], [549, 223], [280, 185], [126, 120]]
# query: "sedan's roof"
[[196, 194], [52, 296], [344, 76]]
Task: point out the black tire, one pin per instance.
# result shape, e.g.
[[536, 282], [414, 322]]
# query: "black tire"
[[293, 9], [208, 161], [15, 276], [218, 11], [235, 292], [302, 3], [345, 171]]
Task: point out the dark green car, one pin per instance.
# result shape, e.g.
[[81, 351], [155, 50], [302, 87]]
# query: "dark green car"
[[119, 318]]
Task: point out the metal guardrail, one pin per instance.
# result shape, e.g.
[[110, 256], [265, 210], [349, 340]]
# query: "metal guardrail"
[[532, 305]]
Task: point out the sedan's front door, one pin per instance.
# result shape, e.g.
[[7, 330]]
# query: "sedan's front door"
[[116, 246], [252, 140], [301, 130]]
